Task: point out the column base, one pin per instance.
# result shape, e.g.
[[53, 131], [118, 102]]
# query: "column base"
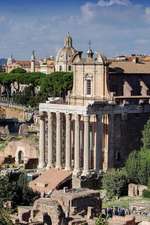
[[41, 166], [49, 166], [58, 167], [68, 168], [76, 172]]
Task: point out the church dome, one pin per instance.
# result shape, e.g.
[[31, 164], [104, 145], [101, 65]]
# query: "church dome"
[[65, 54]]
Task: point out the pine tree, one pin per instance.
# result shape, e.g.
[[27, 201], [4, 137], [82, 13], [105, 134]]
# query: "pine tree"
[[146, 135]]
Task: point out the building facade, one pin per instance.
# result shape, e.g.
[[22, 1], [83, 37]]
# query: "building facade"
[[46, 65], [102, 121]]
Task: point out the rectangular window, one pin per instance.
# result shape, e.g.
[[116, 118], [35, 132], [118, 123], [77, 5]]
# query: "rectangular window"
[[88, 87]]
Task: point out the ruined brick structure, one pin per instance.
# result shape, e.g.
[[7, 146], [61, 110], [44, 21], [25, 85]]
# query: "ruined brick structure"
[[64, 207]]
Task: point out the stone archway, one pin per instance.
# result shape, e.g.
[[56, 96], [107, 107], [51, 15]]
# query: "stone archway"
[[47, 219], [20, 157]]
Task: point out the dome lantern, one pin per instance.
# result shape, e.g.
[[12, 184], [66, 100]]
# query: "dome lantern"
[[90, 52], [68, 41]]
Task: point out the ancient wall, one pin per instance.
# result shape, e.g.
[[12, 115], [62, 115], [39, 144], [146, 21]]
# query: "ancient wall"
[[13, 112], [127, 135]]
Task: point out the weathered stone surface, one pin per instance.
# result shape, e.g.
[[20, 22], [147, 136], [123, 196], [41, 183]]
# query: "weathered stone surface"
[[118, 220], [21, 151], [23, 129], [50, 180], [4, 131], [64, 207], [136, 189]]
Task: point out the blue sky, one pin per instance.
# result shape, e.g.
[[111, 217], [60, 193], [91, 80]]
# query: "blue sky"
[[114, 26]]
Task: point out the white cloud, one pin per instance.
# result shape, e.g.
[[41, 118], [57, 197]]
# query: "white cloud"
[[113, 26], [90, 10], [147, 14], [107, 3], [2, 19], [87, 11]]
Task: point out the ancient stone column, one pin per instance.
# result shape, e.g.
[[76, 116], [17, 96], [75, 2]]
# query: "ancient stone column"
[[58, 140], [106, 142], [111, 141], [50, 141], [77, 146], [68, 143], [42, 142], [86, 146], [98, 149]]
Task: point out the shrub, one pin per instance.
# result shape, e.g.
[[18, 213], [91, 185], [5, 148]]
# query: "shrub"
[[114, 181], [100, 221], [146, 193]]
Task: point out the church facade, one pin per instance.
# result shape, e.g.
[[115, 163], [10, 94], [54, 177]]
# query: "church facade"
[[101, 121]]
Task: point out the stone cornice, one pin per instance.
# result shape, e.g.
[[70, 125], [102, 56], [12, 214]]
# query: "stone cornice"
[[72, 109], [95, 108]]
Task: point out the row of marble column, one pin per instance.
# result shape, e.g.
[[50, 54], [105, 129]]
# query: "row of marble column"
[[86, 148]]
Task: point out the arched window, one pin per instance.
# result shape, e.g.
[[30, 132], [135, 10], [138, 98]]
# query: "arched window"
[[88, 85], [20, 157]]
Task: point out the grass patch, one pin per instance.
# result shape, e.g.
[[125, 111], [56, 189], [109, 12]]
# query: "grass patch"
[[124, 202], [2, 145]]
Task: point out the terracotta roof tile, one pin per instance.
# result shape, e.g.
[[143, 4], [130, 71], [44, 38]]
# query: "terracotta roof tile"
[[49, 180], [131, 67]]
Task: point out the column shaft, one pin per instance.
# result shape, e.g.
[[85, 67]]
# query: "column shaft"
[[98, 149], [106, 142], [50, 141], [42, 143], [58, 141], [86, 146], [68, 142], [111, 141], [77, 146]]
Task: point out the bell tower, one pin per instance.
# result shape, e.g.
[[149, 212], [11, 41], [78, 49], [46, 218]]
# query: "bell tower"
[[33, 58]]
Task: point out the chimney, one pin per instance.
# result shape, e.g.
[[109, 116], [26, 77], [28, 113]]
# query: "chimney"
[[135, 59]]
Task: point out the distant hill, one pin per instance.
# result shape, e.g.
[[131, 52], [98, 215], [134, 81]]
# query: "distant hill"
[[3, 61]]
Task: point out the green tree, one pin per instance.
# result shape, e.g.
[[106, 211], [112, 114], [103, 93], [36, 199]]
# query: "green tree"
[[100, 221], [6, 189], [16, 190], [18, 70], [114, 181], [132, 166], [138, 166], [146, 135], [25, 195], [57, 84], [5, 217]]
